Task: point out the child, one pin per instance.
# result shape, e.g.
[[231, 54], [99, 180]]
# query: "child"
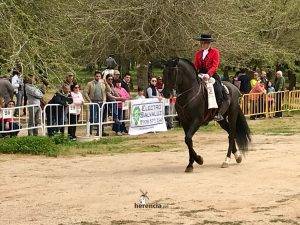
[[7, 121], [270, 87], [140, 93], [270, 98]]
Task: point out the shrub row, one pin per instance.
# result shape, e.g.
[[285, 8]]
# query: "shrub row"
[[35, 145]]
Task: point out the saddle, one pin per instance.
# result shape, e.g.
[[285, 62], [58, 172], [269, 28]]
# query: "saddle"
[[212, 106]]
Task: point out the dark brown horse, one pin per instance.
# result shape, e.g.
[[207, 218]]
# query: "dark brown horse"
[[192, 108]]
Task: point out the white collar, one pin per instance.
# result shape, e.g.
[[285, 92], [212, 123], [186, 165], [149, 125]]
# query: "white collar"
[[205, 52]]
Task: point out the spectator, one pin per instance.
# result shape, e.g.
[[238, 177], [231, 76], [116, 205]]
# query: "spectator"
[[254, 80], [34, 96], [141, 94], [279, 87], [245, 86], [116, 76], [111, 66], [18, 85], [270, 97], [111, 63], [292, 80], [159, 84], [56, 115], [1, 121], [6, 89], [95, 92], [270, 89], [264, 79], [126, 82], [235, 80], [8, 123], [126, 96], [75, 113], [70, 79], [152, 91], [113, 96], [257, 102]]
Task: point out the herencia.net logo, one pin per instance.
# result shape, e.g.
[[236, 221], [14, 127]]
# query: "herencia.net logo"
[[144, 202]]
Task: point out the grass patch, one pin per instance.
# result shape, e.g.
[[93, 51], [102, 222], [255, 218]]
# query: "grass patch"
[[35, 145], [171, 140], [276, 126], [115, 145]]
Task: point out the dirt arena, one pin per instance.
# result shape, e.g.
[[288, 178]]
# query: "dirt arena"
[[91, 190]]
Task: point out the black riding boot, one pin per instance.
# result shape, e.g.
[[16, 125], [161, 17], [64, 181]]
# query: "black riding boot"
[[222, 110], [222, 100]]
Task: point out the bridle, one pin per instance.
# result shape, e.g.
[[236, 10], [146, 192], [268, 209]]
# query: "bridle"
[[177, 83]]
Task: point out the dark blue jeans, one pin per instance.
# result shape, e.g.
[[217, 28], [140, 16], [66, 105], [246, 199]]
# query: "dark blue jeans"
[[95, 116], [55, 116], [117, 126]]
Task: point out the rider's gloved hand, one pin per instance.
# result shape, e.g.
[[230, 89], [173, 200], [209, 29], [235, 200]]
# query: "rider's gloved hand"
[[205, 77]]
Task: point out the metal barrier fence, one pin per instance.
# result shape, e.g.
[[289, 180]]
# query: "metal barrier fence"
[[95, 116], [271, 103], [12, 121], [294, 100], [58, 117]]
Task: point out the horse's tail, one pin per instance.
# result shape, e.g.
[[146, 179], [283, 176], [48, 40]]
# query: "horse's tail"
[[243, 137]]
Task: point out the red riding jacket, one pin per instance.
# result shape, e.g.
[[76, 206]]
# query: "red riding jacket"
[[211, 62]]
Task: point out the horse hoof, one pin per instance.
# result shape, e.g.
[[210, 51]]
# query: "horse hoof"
[[239, 159], [225, 165], [199, 160], [189, 169]]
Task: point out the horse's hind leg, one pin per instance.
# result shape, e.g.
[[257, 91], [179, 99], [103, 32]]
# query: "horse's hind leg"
[[231, 147], [189, 133]]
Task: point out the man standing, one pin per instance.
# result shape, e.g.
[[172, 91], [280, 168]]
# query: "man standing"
[[6, 89], [126, 82], [34, 96], [207, 61], [95, 92], [70, 79], [245, 87], [264, 79], [279, 87]]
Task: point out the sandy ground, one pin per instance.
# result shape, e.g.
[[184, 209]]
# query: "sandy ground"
[[264, 189]]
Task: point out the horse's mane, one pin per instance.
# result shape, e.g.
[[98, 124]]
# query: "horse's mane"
[[189, 62], [176, 61]]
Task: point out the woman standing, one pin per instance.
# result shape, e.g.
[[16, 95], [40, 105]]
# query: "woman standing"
[[125, 96], [152, 91], [75, 109]]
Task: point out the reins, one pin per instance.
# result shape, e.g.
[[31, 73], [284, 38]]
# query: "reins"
[[188, 90]]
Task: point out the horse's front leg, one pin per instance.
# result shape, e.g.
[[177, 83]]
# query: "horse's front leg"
[[190, 130]]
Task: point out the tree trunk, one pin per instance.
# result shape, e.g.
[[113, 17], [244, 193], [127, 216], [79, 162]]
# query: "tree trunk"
[[142, 73]]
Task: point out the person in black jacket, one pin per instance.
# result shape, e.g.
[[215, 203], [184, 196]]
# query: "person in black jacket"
[[55, 114], [245, 86], [125, 83]]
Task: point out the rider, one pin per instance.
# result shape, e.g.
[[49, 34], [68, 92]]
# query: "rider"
[[207, 61]]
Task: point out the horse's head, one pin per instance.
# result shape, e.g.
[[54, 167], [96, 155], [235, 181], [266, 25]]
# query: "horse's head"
[[170, 76]]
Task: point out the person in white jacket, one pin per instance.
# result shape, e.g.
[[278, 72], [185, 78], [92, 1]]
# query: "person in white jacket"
[[18, 85], [75, 109]]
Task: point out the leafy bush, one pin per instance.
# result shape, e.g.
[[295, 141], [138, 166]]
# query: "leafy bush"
[[35, 145], [61, 139]]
